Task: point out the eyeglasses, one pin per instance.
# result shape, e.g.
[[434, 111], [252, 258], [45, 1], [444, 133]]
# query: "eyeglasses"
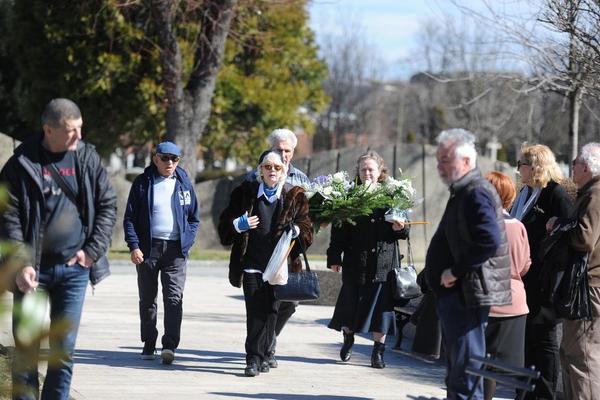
[[271, 167], [519, 163], [167, 158]]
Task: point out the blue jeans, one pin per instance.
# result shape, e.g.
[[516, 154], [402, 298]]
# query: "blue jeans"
[[65, 286], [464, 336]]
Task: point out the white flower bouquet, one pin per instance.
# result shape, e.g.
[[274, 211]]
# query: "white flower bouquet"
[[335, 199]]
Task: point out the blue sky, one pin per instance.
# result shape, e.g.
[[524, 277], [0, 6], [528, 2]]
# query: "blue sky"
[[391, 25]]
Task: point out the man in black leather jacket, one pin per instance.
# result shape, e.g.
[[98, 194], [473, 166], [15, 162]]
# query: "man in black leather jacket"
[[61, 213]]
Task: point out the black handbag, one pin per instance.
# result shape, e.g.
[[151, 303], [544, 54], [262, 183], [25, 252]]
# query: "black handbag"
[[404, 278], [301, 286], [563, 278]]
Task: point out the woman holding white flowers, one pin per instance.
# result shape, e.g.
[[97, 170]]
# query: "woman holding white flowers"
[[366, 253], [257, 215]]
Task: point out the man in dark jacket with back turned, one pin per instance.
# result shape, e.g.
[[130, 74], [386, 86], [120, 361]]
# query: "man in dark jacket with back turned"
[[61, 211], [161, 221], [467, 264]]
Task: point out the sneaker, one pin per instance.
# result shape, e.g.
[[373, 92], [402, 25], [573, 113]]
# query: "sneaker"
[[264, 367], [149, 351], [252, 369], [272, 361], [167, 356]]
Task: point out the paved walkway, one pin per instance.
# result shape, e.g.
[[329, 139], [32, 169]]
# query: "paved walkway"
[[210, 360]]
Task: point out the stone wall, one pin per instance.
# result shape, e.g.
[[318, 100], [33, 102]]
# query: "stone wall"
[[416, 161]]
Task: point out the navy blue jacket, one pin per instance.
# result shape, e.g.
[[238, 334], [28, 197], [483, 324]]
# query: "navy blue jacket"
[[136, 222], [471, 241]]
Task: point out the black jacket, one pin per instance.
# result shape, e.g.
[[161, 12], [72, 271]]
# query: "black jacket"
[[369, 248], [294, 210], [554, 201], [23, 218]]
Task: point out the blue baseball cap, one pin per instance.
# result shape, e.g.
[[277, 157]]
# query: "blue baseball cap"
[[168, 148]]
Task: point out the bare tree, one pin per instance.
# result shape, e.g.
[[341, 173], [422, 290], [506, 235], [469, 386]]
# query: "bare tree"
[[353, 67], [464, 84], [559, 44], [188, 97]]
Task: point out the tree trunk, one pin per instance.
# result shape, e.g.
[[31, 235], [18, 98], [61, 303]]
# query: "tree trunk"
[[575, 99], [189, 106]]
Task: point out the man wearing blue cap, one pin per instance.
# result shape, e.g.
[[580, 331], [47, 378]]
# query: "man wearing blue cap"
[[161, 221]]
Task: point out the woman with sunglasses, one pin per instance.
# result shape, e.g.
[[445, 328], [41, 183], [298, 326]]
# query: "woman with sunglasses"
[[542, 196], [369, 248], [257, 214]]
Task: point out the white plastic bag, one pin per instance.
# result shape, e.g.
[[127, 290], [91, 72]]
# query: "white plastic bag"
[[276, 272]]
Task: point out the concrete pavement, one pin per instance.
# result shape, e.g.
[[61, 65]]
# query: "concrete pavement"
[[210, 362]]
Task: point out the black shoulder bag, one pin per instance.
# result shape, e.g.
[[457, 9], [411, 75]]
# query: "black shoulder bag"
[[301, 286], [563, 279]]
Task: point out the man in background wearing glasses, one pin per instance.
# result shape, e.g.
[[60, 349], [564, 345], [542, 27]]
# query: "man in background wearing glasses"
[[161, 221]]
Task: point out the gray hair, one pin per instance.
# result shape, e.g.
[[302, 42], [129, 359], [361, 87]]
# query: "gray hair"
[[58, 110], [279, 135], [464, 142], [272, 157], [590, 154]]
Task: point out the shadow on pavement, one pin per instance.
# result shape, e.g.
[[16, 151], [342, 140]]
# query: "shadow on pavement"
[[287, 396], [398, 362], [422, 398], [185, 360]]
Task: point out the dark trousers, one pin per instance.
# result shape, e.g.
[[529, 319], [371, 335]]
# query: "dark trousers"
[[284, 313], [261, 316], [65, 286], [541, 350], [463, 331], [165, 257]]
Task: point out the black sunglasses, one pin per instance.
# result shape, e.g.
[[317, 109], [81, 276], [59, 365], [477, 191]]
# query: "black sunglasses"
[[167, 157], [519, 163]]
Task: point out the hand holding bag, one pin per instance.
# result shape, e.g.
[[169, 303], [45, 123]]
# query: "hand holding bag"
[[404, 278], [276, 272], [303, 285]]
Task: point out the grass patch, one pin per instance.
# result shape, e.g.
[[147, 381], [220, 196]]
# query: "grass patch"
[[123, 254], [195, 254]]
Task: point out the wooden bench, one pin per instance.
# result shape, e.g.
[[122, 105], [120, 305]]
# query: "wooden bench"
[[505, 374]]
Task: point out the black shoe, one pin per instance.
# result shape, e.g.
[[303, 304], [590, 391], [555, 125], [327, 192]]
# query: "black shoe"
[[346, 350], [252, 369], [149, 351], [272, 361], [264, 366], [167, 356], [377, 355]]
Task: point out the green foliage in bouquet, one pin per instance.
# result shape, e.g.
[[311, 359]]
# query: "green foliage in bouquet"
[[335, 199]]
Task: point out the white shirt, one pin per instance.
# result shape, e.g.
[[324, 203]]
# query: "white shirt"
[[164, 224]]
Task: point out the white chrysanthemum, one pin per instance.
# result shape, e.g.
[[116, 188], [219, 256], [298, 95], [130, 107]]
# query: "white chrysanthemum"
[[339, 177], [327, 191]]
